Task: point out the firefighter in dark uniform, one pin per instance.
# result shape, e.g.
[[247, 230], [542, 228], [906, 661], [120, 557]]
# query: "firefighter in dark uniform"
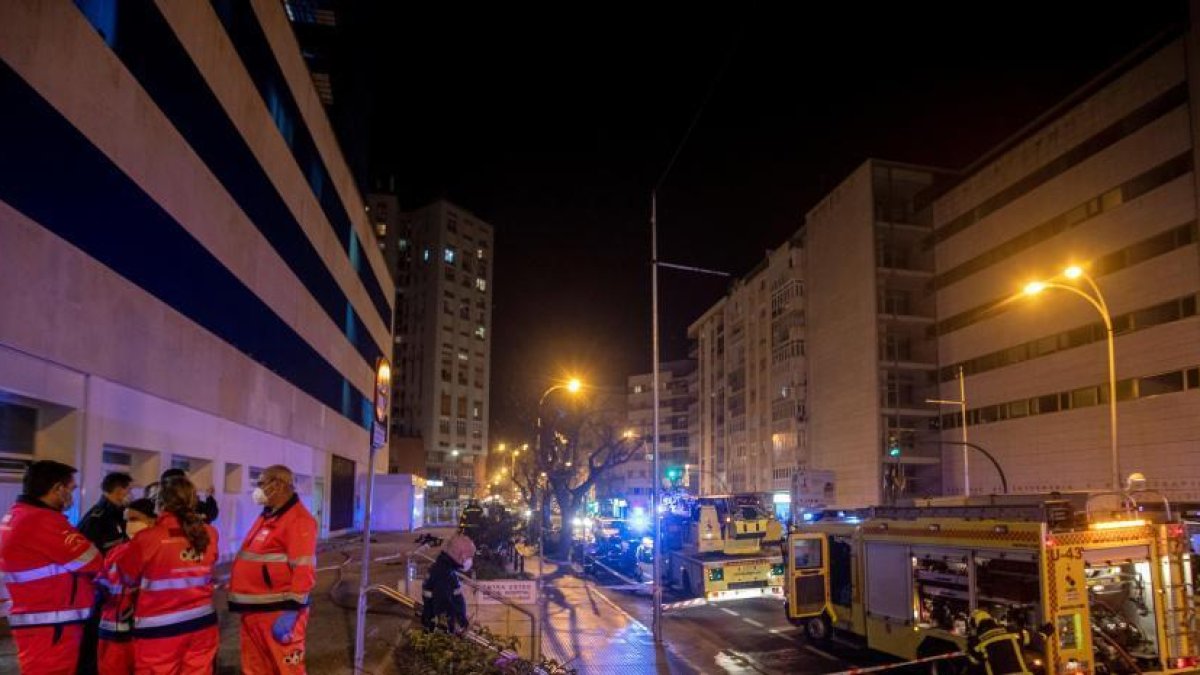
[[993, 649], [471, 519]]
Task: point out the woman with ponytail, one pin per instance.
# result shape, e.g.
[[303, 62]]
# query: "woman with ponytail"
[[174, 622]]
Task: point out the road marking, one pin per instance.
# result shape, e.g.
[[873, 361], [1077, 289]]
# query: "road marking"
[[752, 622], [730, 612], [782, 629], [821, 653]]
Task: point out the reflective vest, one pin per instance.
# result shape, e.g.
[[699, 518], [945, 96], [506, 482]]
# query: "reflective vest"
[[116, 614], [999, 651], [276, 567], [174, 583], [47, 566]]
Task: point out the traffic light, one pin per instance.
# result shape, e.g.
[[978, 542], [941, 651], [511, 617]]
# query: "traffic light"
[[674, 473], [893, 448]]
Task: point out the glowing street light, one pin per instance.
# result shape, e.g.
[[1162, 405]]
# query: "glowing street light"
[[1096, 300], [573, 385]]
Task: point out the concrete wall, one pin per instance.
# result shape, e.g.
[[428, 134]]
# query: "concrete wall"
[[843, 371], [1070, 450]]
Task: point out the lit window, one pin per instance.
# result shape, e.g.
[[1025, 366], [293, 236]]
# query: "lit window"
[[402, 244], [381, 229], [479, 253], [480, 284], [448, 255], [425, 255], [480, 332]]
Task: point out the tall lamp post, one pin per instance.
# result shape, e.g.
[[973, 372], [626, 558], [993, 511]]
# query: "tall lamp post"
[[572, 386], [1096, 300]]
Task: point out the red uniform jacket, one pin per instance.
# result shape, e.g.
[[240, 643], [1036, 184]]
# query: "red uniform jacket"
[[175, 584], [275, 570], [47, 566], [116, 614]]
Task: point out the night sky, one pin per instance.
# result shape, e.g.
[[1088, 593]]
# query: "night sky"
[[553, 125]]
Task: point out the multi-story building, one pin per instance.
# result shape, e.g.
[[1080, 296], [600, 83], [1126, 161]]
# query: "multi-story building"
[[441, 257], [184, 282], [870, 361], [634, 480], [1105, 181], [750, 380], [337, 56]]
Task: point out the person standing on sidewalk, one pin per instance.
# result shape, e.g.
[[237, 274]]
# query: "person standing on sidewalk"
[[116, 611], [48, 567], [443, 604], [104, 526], [272, 577], [171, 565], [206, 507]]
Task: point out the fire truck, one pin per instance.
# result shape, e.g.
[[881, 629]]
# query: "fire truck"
[[1110, 575], [723, 547]]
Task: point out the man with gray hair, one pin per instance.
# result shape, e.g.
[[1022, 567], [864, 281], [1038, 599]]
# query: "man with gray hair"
[[272, 576]]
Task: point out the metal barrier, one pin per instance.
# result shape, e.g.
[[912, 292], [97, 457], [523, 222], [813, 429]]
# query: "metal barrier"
[[534, 623]]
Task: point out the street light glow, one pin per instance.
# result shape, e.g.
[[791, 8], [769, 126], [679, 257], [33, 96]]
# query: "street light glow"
[[1034, 287], [574, 385], [1073, 272], [502, 447]]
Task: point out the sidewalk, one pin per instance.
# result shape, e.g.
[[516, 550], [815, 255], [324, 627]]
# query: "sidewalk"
[[586, 631], [330, 644]]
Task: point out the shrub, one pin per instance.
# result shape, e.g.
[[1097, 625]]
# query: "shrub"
[[421, 653]]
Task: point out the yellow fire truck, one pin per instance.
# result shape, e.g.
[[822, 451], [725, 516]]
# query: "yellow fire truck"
[[1113, 578], [724, 548]]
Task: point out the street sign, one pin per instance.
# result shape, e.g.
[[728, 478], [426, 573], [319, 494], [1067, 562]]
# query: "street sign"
[[378, 435]]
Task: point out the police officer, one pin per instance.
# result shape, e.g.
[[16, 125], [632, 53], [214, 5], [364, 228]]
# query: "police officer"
[[993, 649], [443, 605], [104, 526], [206, 507], [48, 568], [471, 519]]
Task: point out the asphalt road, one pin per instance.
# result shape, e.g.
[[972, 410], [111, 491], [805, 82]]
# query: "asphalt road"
[[739, 637]]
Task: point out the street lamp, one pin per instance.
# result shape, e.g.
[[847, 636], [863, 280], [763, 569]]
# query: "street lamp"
[[1096, 300]]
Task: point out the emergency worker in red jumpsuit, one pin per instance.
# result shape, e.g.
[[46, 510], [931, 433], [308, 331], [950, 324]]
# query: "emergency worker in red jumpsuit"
[[171, 564], [48, 568], [116, 613], [272, 577]]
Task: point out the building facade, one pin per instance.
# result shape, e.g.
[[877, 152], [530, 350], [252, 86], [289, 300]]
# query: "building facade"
[[441, 258], [184, 281], [1105, 181], [633, 481], [870, 362], [751, 379]]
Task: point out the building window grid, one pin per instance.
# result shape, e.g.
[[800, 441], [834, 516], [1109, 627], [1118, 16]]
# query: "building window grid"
[[1147, 386]]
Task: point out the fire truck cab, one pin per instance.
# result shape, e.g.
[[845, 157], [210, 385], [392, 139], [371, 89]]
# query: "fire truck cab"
[[1112, 576]]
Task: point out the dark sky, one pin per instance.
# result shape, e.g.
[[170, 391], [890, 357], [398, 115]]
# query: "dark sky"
[[554, 123]]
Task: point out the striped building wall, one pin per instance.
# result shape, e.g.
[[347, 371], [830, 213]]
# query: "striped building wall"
[[183, 275]]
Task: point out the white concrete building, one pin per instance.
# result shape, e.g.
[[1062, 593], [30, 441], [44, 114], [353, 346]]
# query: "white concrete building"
[[1106, 181], [870, 364], [442, 259], [184, 280], [634, 481], [750, 380]]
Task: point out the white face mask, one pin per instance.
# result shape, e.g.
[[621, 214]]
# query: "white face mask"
[[133, 527], [467, 564], [260, 496]]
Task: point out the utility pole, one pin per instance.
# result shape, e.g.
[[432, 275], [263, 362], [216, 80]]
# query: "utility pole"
[[962, 406]]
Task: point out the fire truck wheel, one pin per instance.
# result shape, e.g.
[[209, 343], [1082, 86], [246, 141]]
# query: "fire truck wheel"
[[818, 630]]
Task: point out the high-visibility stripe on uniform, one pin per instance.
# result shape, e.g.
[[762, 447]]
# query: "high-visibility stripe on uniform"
[[49, 618], [173, 617], [174, 584], [116, 626], [262, 557], [51, 570], [303, 560], [267, 598]]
